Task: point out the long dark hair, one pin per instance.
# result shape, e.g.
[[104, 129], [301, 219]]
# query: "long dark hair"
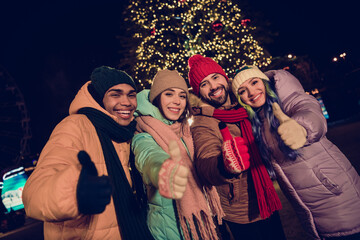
[[265, 151], [183, 117]]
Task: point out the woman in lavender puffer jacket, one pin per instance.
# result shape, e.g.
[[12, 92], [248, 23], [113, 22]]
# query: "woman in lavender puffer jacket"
[[316, 177]]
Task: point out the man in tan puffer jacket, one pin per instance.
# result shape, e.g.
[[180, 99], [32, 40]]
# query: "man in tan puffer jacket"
[[83, 186]]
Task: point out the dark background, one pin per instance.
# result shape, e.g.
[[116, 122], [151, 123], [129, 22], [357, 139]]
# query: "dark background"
[[50, 48]]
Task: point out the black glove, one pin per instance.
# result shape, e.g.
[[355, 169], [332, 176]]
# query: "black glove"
[[93, 193]]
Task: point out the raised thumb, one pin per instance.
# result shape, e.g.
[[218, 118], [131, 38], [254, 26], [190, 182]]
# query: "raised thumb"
[[225, 132], [87, 165], [279, 114], [174, 151]]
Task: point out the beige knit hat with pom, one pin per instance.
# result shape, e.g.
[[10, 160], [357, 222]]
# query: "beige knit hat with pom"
[[165, 79]]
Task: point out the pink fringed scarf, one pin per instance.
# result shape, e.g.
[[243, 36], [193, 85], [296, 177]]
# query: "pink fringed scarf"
[[194, 206], [268, 200]]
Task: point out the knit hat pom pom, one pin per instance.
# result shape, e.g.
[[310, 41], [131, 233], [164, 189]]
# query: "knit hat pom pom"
[[194, 60]]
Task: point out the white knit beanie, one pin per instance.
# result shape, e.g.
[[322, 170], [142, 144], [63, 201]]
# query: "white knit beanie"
[[245, 73]]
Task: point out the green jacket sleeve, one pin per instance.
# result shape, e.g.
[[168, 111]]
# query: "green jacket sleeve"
[[149, 157]]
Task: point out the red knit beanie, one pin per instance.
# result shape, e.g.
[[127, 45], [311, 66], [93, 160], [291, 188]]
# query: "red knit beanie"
[[199, 68]]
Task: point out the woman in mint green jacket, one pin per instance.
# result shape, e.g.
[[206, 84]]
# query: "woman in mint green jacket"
[[177, 202]]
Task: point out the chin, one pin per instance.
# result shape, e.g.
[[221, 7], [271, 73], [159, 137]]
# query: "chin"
[[261, 104], [174, 118], [124, 122], [256, 104]]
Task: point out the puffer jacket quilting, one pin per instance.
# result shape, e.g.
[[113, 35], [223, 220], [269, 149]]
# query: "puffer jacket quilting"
[[50, 192], [321, 183]]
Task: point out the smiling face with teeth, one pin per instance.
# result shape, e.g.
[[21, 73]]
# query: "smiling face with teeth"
[[214, 89], [120, 101], [173, 103], [252, 92]]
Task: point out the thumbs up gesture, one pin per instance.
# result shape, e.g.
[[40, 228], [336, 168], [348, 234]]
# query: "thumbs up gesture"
[[173, 175], [235, 152], [93, 193], [292, 133]]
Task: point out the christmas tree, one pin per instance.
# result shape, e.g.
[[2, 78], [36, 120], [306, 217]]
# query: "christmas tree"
[[167, 33]]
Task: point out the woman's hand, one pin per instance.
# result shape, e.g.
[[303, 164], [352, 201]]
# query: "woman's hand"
[[173, 174], [292, 133]]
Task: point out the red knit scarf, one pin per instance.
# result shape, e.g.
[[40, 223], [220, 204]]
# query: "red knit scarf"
[[268, 200], [193, 207]]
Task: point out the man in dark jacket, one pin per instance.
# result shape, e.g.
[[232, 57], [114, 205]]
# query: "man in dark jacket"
[[222, 158]]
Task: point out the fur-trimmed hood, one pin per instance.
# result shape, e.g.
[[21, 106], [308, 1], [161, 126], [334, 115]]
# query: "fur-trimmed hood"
[[196, 102]]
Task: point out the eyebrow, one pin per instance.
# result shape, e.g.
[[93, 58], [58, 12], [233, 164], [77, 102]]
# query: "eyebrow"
[[169, 89], [253, 79], [206, 80], [214, 75]]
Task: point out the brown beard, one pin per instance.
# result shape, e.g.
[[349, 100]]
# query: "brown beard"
[[216, 103]]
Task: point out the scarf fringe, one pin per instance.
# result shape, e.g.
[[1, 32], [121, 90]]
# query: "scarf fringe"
[[201, 223], [214, 203], [265, 190], [273, 205], [267, 208]]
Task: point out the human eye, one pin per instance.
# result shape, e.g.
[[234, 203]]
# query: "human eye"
[[132, 95], [203, 84], [241, 91], [255, 81], [183, 96], [169, 94]]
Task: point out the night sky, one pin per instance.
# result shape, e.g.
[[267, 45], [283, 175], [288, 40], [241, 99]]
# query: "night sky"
[[51, 47]]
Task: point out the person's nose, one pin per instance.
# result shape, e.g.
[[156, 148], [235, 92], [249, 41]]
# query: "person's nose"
[[212, 85], [177, 100], [251, 92], [125, 101]]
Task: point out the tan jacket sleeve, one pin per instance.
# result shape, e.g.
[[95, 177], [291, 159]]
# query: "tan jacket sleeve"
[[50, 192]]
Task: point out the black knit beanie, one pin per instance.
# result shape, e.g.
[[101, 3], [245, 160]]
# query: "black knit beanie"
[[104, 77]]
